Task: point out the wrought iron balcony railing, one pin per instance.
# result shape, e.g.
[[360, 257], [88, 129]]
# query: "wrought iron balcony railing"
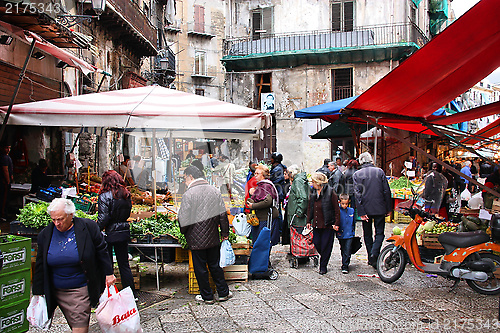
[[367, 36]]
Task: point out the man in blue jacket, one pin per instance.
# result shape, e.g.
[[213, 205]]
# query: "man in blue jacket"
[[373, 203]]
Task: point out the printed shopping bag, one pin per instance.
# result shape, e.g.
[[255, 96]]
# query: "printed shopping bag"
[[118, 312], [252, 219], [227, 257], [241, 227], [37, 313]]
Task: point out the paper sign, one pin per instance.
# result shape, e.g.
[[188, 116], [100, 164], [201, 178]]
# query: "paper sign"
[[408, 165], [69, 192], [484, 214], [410, 173], [78, 164]]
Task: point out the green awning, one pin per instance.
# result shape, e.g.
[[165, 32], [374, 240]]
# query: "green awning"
[[337, 129]]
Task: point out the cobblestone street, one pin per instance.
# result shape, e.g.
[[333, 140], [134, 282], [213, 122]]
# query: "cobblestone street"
[[301, 300]]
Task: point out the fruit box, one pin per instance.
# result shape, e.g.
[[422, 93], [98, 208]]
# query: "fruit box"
[[430, 241]]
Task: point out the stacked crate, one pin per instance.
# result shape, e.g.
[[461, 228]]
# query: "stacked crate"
[[15, 277], [134, 267], [193, 283]]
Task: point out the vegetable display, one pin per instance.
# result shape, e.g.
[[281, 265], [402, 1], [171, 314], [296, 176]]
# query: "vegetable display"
[[399, 183], [34, 215]]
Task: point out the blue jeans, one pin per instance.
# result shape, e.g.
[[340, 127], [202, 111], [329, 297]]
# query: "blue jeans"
[[373, 245], [345, 251]]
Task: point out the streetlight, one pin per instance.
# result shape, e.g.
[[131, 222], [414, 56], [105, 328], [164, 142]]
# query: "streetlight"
[[99, 6]]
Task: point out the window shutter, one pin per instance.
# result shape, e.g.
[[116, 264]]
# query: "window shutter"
[[348, 16], [199, 18], [336, 16], [267, 20]]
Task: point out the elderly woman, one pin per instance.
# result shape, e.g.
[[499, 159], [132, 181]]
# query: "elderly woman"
[[72, 265], [323, 216], [261, 200], [114, 206]]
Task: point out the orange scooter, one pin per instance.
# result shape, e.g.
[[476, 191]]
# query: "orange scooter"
[[468, 255]]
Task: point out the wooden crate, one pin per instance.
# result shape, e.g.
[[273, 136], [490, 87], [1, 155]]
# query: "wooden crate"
[[135, 273], [181, 255], [430, 241], [241, 249], [236, 273]]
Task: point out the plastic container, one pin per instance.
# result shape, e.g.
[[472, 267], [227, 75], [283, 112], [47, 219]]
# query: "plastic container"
[[16, 251], [15, 286], [13, 317]]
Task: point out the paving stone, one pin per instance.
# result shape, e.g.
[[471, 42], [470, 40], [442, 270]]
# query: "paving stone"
[[412, 306], [204, 310], [360, 324], [281, 304], [174, 317], [392, 295], [180, 326], [219, 324]]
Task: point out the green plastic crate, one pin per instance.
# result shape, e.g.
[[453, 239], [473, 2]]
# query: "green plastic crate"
[[13, 317], [15, 287], [16, 251]]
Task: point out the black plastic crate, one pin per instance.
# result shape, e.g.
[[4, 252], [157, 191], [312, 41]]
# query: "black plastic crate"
[[17, 228], [141, 239], [164, 239]]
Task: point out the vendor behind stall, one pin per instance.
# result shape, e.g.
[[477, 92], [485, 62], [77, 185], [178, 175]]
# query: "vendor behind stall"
[[493, 182], [435, 188], [39, 176]]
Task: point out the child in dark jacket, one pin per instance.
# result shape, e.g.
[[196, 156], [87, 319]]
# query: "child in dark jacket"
[[346, 231]]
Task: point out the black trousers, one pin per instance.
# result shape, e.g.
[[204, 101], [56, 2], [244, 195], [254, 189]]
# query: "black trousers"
[[209, 257], [345, 251], [373, 245], [323, 242], [121, 253]]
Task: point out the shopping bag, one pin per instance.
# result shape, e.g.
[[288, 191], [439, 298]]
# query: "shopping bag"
[[259, 257], [241, 227], [37, 313], [301, 244], [118, 312], [227, 257], [465, 195], [252, 219], [355, 244]]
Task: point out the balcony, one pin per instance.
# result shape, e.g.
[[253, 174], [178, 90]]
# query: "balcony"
[[363, 44], [126, 21], [201, 30]]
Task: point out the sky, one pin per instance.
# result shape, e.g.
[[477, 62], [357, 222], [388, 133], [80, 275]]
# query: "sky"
[[460, 7]]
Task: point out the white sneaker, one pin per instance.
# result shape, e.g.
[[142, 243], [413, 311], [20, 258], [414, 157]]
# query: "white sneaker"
[[225, 298], [200, 299]]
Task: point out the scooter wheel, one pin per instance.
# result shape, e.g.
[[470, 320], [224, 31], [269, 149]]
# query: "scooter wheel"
[[492, 285], [315, 261], [274, 275], [391, 265]]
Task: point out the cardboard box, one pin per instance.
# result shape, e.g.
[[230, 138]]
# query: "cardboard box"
[[141, 215], [15, 286]]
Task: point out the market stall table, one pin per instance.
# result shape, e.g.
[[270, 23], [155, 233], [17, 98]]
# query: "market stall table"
[[138, 246]]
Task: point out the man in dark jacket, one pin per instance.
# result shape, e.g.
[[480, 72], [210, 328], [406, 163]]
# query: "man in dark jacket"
[[201, 214], [324, 169], [373, 202]]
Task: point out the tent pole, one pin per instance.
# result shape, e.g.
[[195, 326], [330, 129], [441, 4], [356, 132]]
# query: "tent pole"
[[16, 90], [394, 134], [153, 168], [375, 148], [172, 171]]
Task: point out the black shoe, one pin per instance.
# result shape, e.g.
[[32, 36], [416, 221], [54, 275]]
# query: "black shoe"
[[322, 272]]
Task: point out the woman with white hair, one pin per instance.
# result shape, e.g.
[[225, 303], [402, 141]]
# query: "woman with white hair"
[[72, 265], [464, 183], [323, 216]]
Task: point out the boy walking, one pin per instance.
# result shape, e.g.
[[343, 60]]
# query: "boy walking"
[[346, 231]]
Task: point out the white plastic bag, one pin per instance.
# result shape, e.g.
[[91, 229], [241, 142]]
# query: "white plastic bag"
[[37, 312], [476, 201], [118, 312], [465, 195], [227, 257], [241, 227]]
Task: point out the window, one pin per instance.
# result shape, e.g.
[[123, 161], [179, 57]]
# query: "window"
[[262, 22], [199, 18], [342, 86], [342, 15], [200, 92], [413, 14], [200, 65], [263, 85]]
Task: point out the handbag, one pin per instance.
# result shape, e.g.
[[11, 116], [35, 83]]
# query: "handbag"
[[355, 244], [37, 313], [252, 219], [118, 312]]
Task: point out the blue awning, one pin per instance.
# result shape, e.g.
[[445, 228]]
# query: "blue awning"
[[325, 109]]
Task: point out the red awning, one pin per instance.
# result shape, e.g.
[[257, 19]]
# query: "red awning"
[[479, 112], [487, 132], [456, 59]]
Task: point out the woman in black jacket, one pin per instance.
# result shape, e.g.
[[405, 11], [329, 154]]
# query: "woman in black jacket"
[[114, 207]]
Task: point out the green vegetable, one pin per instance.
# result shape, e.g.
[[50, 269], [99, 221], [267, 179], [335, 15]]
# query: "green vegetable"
[[429, 225], [34, 215], [401, 182], [84, 215], [396, 231]]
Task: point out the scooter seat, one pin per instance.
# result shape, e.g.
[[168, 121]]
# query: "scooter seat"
[[463, 239]]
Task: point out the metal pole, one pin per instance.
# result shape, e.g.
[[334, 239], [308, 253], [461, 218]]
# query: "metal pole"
[[153, 167], [16, 90], [376, 144]]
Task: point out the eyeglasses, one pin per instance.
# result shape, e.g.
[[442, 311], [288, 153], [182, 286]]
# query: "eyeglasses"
[[258, 173]]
